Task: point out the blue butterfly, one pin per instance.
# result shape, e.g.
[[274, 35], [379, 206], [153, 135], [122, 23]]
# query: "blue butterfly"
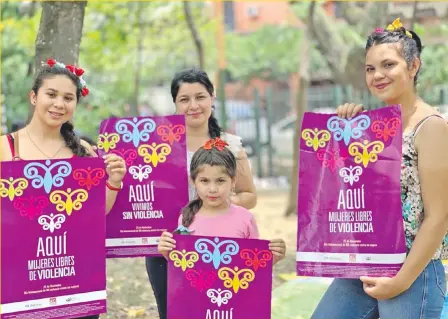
[[217, 257], [347, 131], [136, 135]]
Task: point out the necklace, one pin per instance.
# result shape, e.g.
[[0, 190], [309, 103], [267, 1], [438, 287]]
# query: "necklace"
[[49, 157]]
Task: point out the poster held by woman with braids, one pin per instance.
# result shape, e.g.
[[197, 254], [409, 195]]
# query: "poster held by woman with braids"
[[53, 257], [349, 204], [155, 187], [219, 278]]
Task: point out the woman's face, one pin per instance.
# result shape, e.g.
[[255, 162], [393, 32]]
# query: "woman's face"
[[387, 73], [55, 102], [195, 102]]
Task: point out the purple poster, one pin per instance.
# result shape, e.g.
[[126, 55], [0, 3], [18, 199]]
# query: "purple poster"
[[349, 204], [211, 277], [155, 187], [53, 260]]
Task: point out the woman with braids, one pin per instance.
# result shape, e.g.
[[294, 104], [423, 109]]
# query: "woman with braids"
[[418, 290], [55, 93], [193, 95], [213, 172]]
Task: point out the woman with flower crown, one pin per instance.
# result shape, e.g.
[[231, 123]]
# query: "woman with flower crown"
[[50, 134], [417, 291]]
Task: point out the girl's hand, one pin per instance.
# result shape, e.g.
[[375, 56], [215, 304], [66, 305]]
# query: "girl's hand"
[[278, 249], [166, 244], [115, 168], [383, 287], [349, 110]]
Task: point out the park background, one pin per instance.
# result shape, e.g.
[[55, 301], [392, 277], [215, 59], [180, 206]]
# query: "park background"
[[270, 62]]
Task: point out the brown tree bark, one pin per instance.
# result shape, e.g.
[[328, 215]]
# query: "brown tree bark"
[[194, 33], [301, 102], [60, 32]]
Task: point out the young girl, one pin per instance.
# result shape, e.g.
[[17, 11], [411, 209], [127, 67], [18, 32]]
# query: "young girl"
[[50, 134], [418, 290], [213, 171]]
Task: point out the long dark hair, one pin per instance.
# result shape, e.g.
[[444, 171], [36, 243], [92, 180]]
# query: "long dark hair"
[[197, 76], [410, 48], [212, 157], [67, 129]]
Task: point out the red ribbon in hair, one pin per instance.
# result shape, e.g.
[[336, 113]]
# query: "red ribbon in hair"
[[85, 91], [216, 143], [51, 62], [77, 71]]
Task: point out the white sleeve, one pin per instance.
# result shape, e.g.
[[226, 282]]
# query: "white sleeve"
[[234, 142]]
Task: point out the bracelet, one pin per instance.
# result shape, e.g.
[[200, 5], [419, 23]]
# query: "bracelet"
[[112, 188]]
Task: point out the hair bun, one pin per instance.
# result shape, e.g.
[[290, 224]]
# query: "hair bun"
[[416, 38]]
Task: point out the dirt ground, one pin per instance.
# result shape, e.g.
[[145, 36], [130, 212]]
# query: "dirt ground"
[[128, 288]]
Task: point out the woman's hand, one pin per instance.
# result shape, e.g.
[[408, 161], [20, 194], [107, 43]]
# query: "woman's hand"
[[383, 287], [278, 249], [166, 244], [349, 110], [115, 168]]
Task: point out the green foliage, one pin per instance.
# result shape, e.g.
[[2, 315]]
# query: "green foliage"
[[108, 53], [18, 36], [110, 43], [272, 52], [434, 55]]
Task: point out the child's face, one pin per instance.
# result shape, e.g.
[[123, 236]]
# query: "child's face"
[[213, 186]]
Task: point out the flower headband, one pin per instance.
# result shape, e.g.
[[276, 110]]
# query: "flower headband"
[[395, 26], [78, 72], [216, 143]]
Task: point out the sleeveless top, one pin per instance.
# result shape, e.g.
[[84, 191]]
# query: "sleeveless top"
[[14, 146], [411, 196], [235, 146]]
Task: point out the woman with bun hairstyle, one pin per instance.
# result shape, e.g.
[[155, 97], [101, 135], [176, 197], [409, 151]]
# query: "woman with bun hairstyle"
[[417, 291]]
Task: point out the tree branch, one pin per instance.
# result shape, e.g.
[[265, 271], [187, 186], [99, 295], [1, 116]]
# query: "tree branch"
[[329, 42], [301, 102], [194, 33]]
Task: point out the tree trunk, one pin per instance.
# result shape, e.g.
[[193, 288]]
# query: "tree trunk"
[[60, 32], [414, 16], [301, 105], [346, 62], [194, 33]]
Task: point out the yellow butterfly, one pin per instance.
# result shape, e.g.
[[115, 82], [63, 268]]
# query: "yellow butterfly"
[[365, 156], [150, 153], [184, 259], [7, 188], [236, 283], [69, 204], [313, 140], [108, 141]]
